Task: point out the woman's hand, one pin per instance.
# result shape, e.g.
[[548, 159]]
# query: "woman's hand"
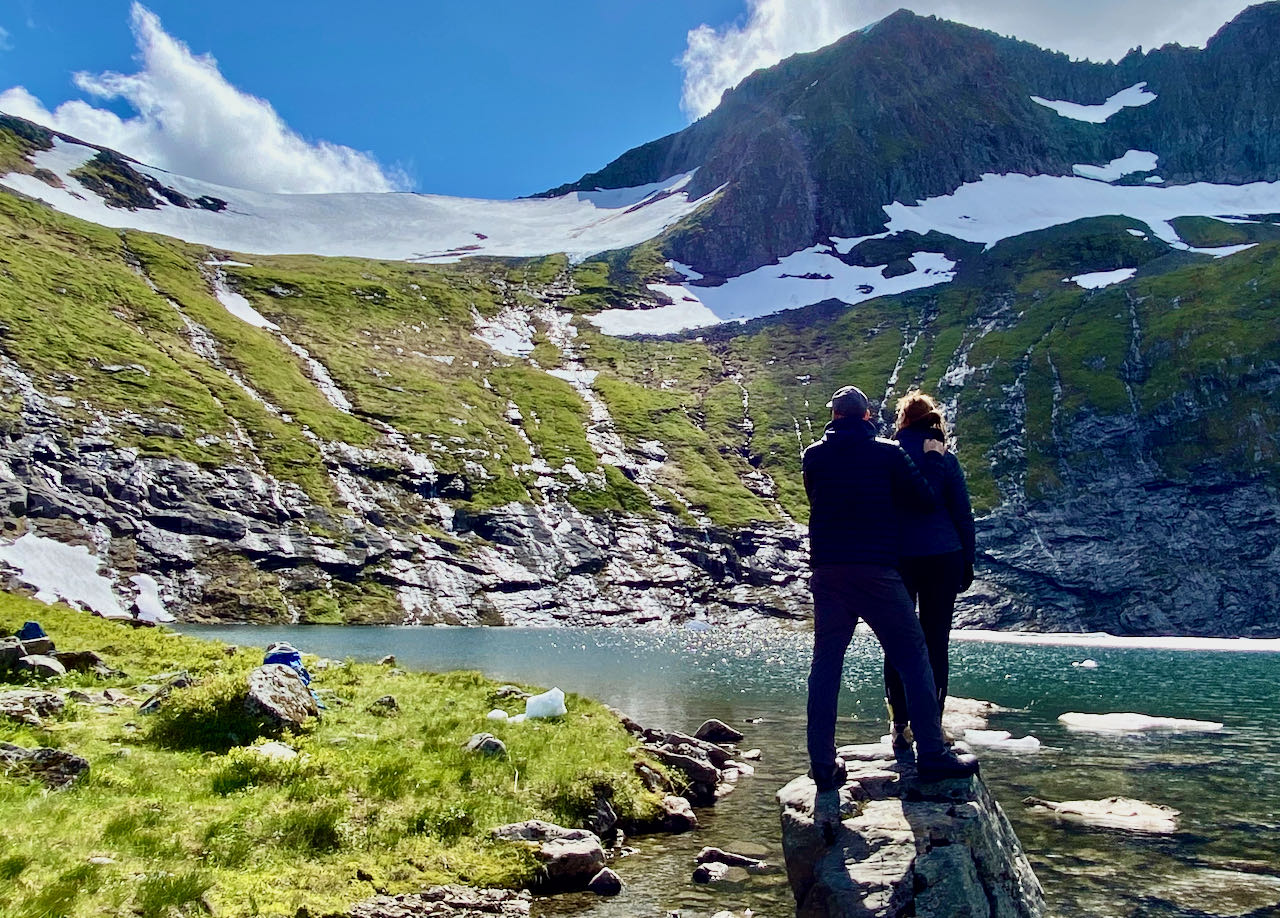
[[935, 446]]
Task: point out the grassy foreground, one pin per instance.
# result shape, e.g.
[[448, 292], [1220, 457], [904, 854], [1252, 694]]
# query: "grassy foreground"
[[373, 803]]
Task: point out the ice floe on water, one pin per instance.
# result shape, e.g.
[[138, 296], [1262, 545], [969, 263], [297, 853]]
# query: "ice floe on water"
[[60, 572], [1100, 279], [1135, 723], [1002, 740], [420, 227], [1085, 664], [1102, 639], [1133, 161], [1133, 97], [1112, 813]]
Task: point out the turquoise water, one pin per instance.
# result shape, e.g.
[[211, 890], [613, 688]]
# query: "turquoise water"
[[1224, 861]]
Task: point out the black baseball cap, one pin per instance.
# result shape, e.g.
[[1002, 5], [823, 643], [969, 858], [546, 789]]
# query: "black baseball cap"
[[849, 400]]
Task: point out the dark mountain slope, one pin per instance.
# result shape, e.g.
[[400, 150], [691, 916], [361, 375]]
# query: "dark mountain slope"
[[914, 107]]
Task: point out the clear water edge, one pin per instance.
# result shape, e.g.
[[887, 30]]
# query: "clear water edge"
[[1224, 861]]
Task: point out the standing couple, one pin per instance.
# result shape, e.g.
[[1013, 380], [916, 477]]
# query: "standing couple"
[[889, 521]]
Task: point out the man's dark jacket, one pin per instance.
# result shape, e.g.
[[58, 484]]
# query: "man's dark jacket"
[[858, 486], [949, 527]]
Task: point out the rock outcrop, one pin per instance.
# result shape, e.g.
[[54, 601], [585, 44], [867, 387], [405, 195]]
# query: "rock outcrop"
[[446, 902], [278, 695], [56, 768], [887, 844]]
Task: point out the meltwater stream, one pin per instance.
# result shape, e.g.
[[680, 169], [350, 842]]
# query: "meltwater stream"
[[1225, 860]]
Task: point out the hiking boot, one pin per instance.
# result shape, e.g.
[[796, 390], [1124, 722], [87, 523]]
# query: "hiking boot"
[[900, 740], [946, 766], [834, 778]]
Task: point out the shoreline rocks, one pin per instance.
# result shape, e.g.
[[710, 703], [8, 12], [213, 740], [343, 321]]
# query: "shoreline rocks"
[[887, 844]]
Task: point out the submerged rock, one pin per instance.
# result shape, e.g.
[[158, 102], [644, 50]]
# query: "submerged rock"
[[885, 844]]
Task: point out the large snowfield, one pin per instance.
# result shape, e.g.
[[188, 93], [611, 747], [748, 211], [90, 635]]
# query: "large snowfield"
[[395, 226]]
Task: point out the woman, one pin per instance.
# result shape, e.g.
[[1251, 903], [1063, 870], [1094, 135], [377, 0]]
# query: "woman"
[[937, 555]]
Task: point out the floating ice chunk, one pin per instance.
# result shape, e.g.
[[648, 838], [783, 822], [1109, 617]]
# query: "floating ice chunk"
[[69, 573], [498, 714], [150, 606], [549, 704], [697, 625], [1113, 813], [1132, 161], [1100, 279], [1133, 97], [1135, 723], [1001, 739], [1085, 664]]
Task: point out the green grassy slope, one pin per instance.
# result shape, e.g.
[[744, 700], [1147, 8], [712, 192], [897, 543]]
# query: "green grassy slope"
[[373, 802]]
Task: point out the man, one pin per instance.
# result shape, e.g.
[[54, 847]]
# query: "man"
[[857, 483]]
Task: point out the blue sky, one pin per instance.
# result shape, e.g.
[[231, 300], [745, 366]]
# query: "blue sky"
[[493, 99]]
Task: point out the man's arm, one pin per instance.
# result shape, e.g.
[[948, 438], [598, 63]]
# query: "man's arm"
[[912, 488]]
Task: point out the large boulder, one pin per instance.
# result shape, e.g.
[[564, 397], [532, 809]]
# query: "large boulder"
[[570, 858], [56, 768], [887, 844], [277, 693], [10, 652], [85, 661]]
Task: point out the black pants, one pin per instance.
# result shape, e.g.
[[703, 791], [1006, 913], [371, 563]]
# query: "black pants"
[[842, 594], [933, 581]]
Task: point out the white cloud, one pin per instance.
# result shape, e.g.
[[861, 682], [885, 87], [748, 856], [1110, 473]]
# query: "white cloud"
[[717, 58], [5, 43], [191, 121]]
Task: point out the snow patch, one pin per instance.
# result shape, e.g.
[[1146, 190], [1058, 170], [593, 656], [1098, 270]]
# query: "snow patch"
[[151, 607], [1135, 723], [803, 278], [999, 207], [509, 332], [324, 382], [237, 305], [1135, 96], [1222, 251], [1131, 162], [66, 573], [1099, 279]]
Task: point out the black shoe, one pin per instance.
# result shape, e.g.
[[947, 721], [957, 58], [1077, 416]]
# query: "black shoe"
[[834, 778], [947, 765], [900, 740]]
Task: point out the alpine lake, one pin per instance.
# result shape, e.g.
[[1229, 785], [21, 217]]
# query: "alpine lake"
[[1223, 860]]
